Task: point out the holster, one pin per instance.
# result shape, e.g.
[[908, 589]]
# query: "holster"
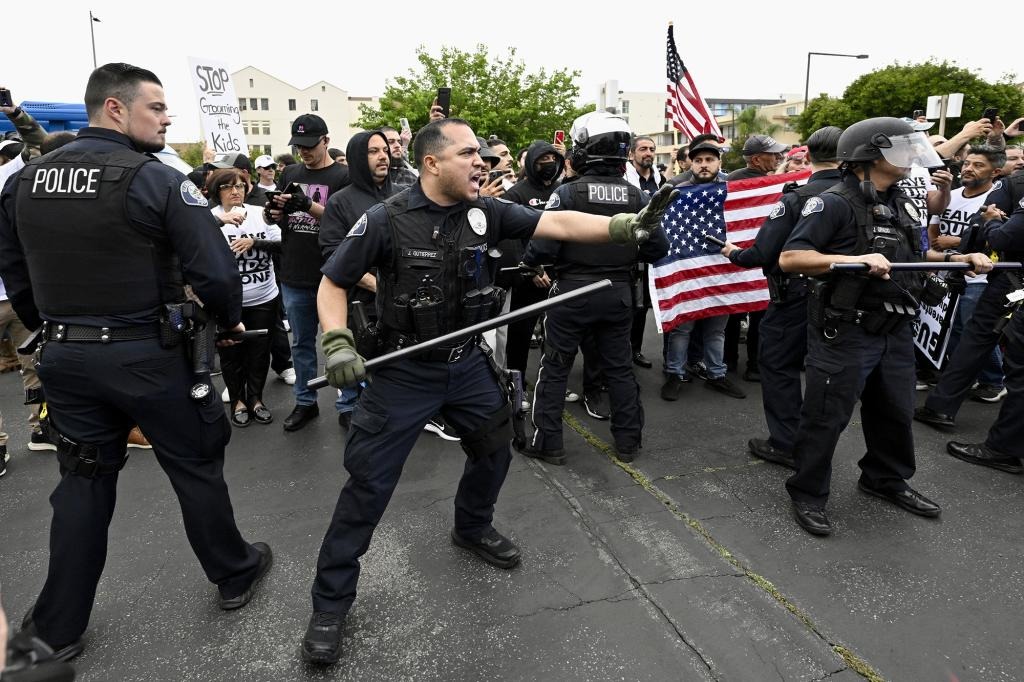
[[174, 323]]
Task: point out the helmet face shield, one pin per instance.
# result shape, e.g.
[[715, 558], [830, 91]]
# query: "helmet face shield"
[[905, 151]]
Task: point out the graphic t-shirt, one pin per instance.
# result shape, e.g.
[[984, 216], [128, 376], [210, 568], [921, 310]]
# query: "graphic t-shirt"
[[255, 265], [957, 216], [300, 231]]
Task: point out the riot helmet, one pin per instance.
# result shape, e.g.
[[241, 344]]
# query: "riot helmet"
[[599, 137], [886, 138]]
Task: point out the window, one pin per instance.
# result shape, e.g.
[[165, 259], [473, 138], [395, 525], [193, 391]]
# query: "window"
[[252, 103], [266, 127], [266, 149], [251, 83], [241, 104], [625, 106], [323, 88], [264, 104], [291, 105], [314, 105], [245, 127], [791, 111]]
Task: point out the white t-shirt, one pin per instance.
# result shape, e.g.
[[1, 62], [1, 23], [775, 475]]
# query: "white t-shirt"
[[255, 265], [957, 216]]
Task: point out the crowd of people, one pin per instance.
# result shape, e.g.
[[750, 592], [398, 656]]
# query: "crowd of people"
[[401, 239]]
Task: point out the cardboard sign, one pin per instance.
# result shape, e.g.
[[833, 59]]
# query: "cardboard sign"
[[932, 326], [218, 107]]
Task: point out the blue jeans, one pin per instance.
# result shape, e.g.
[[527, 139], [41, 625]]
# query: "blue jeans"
[[300, 303], [712, 330], [992, 371]]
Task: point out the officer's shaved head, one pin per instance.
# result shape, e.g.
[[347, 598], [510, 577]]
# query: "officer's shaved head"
[[118, 80], [431, 140]]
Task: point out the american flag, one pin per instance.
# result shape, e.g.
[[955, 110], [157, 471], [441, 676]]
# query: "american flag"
[[694, 280], [685, 107]]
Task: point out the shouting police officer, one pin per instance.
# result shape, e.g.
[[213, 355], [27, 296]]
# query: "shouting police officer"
[[94, 238], [600, 150], [434, 248], [784, 326], [859, 338]]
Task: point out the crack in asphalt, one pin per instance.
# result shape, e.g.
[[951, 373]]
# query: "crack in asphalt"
[[852, 660]]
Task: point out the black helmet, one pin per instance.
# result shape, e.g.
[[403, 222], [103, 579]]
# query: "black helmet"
[[599, 137], [865, 140]]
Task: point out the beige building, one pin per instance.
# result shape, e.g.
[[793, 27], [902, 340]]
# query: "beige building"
[[269, 105]]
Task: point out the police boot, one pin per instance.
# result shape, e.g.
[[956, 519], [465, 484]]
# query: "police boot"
[[322, 643]]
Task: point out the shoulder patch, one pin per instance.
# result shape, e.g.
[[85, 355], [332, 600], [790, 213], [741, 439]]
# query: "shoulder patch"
[[779, 209], [555, 202], [191, 194], [359, 229], [1021, 203], [997, 185], [813, 205]]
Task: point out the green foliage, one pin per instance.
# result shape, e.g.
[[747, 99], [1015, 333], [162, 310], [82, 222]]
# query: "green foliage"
[[899, 89], [748, 122], [192, 154], [495, 94]]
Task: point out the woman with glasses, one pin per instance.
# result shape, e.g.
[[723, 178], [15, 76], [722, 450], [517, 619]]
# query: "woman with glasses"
[[244, 365]]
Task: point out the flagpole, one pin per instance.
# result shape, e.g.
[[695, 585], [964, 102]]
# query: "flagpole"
[[92, 33]]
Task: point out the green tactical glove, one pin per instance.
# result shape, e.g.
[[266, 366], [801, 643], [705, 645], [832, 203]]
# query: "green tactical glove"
[[635, 228], [344, 365]]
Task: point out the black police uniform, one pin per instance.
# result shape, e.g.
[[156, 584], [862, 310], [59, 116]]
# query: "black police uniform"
[[981, 335], [95, 236], [783, 329], [433, 270], [606, 316], [863, 348]]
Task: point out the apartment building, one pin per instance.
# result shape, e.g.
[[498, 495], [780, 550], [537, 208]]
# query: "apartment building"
[[268, 106]]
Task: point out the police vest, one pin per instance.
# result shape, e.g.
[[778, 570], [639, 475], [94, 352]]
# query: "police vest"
[[600, 195], [904, 228], [84, 255], [436, 283]]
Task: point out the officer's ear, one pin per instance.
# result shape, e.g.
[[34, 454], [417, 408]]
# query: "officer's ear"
[[114, 109], [430, 165]]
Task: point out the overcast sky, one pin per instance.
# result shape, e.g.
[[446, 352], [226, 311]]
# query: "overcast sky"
[[738, 49]]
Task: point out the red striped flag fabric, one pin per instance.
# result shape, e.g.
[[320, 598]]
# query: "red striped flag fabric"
[[694, 280], [685, 107]]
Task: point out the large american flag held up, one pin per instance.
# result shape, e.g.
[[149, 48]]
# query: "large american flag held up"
[[694, 280], [685, 107]]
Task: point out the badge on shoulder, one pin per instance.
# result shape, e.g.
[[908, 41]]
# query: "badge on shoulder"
[[191, 194], [813, 205]]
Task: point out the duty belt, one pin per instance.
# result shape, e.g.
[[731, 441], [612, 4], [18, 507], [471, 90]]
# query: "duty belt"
[[54, 331]]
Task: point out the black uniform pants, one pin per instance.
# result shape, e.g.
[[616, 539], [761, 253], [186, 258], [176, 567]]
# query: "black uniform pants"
[[877, 369], [95, 393], [607, 317], [972, 353], [1007, 433], [783, 345], [387, 420]]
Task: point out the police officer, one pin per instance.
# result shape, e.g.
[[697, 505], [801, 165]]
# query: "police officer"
[[784, 326], [600, 150], [859, 338], [94, 238], [434, 248]]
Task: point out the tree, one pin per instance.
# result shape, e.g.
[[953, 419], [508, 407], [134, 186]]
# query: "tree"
[[899, 89], [495, 94], [748, 122]]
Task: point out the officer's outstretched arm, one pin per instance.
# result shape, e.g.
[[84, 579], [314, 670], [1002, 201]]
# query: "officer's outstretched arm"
[[572, 226], [331, 305], [810, 262]]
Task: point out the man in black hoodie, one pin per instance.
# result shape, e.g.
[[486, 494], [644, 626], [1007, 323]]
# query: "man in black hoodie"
[[368, 157], [542, 168]]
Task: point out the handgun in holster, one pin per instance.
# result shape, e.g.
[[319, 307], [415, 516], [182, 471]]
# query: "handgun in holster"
[[366, 333], [517, 396]]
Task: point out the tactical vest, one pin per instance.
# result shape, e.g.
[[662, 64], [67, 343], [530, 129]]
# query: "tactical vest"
[[84, 255], [435, 283], [600, 195], [898, 240]]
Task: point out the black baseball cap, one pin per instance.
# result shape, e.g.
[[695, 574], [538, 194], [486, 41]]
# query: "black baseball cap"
[[705, 146], [307, 130], [762, 144]]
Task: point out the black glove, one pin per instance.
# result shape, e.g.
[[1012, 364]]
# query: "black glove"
[[297, 202]]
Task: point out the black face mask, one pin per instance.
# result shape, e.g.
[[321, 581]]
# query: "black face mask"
[[547, 171]]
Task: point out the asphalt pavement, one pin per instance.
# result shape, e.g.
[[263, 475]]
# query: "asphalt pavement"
[[684, 565]]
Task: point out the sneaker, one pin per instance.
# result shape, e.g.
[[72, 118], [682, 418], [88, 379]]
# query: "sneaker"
[[38, 442], [492, 547], [597, 405], [697, 369], [322, 643], [556, 457], [572, 397], [224, 397], [672, 386], [437, 425], [627, 454], [987, 393], [4, 458], [725, 386], [137, 440], [287, 376]]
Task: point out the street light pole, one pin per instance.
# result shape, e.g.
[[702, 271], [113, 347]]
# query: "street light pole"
[[807, 80], [92, 34]]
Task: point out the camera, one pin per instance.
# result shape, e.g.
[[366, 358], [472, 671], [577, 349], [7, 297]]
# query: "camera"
[[991, 113], [5, 98], [495, 174]]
